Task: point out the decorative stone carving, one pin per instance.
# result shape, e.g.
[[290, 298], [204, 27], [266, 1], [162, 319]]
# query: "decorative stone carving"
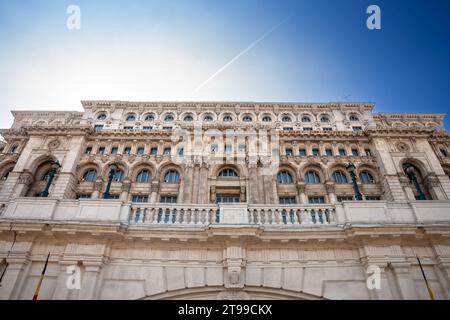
[[26, 178], [54, 144]]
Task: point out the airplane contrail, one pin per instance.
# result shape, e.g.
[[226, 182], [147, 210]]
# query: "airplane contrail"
[[254, 43]]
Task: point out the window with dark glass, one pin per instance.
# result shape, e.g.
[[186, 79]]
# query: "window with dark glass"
[[312, 177], [287, 200], [357, 129], [144, 176], [90, 175], [247, 119], [315, 152], [444, 152], [228, 199], [227, 119], [373, 198], [127, 150], [289, 152], [228, 148], [208, 118], [153, 151], [339, 177], [306, 119], [101, 116], [167, 151], [302, 152], [307, 129], [327, 129], [98, 127], [188, 118], [131, 117], [88, 150], [139, 198], [83, 196], [316, 200], [368, 152], [344, 198], [168, 199], [228, 173], [354, 118], [286, 119], [140, 150], [267, 119], [324, 119], [172, 176], [288, 129], [149, 117], [285, 177], [13, 149], [342, 152], [366, 177], [101, 150], [114, 150], [329, 152], [147, 128], [167, 128], [168, 118], [355, 152], [118, 176], [128, 128], [180, 152]]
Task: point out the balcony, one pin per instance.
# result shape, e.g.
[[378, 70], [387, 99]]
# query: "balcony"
[[100, 212]]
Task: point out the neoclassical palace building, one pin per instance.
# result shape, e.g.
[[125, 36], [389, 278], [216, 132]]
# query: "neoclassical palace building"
[[225, 200]]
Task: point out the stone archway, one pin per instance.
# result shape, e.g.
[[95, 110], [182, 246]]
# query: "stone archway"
[[221, 293]]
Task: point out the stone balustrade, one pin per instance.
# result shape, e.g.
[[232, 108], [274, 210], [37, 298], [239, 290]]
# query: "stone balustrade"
[[365, 213]]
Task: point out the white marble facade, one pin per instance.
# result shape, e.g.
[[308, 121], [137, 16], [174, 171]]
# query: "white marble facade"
[[225, 200]]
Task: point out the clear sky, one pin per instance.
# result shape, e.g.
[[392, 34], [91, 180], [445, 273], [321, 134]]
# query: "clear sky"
[[250, 50]]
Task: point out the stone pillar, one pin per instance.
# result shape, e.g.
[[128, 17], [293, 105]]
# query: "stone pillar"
[[331, 192], [90, 280], [301, 188], [195, 184], [12, 279], [155, 191], [181, 190], [434, 186], [253, 184], [187, 191], [203, 187], [260, 186], [23, 184], [126, 186], [405, 281]]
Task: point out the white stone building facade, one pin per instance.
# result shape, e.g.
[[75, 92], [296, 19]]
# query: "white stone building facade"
[[220, 200]]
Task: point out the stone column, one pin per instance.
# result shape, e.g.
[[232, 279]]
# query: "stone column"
[[405, 281], [126, 186], [253, 184], [155, 191], [90, 280], [301, 188], [13, 277], [195, 184], [181, 190], [203, 187], [187, 191], [23, 184]]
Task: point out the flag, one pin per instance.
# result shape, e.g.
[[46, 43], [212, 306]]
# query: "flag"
[[430, 292], [36, 293]]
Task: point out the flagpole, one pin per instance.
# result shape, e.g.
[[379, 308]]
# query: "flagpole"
[[38, 288], [430, 292]]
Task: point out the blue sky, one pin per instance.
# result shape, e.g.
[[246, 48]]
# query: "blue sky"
[[321, 51]]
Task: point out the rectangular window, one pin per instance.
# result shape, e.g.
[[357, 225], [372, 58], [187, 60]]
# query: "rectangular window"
[[315, 152], [228, 148], [328, 152], [289, 152], [342, 152], [168, 199], [327, 129], [88, 150], [307, 129], [444, 152], [302, 152], [153, 151], [373, 198], [128, 128], [228, 199], [98, 127], [287, 200], [316, 200], [114, 150], [167, 128], [355, 152], [180, 152], [13, 150], [167, 151], [242, 148], [101, 150], [140, 150], [138, 198], [114, 196], [368, 152], [127, 150], [357, 129], [83, 196], [146, 128], [288, 129], [344, 198]]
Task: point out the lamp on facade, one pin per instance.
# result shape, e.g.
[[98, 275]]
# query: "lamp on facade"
[[113, 167], [51, 175], [411, 172], [352, 170]]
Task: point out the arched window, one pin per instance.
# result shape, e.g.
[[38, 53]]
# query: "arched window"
[[101, 116], [6, 175], [339, 177], [168, 118], [45, 176], [90, 175], [208, 118], [284, 177], [118, 176], [227, 118], [312, 177], [228, 173], [306, 119], [366, 177], [149, 117], [131, 117], [267, 119], [247, 119], [353, 117], [286, 119], [144, 176], [188, 118], [324, 119], [172, 176]]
